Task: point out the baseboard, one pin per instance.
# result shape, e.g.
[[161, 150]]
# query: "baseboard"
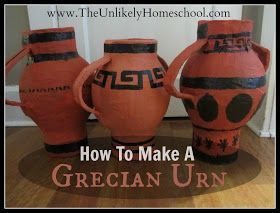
[[260, 133], [19, 123], [257, 131], [254, 128], [264, 134], [90, 120], [12, 88], [272, 134]]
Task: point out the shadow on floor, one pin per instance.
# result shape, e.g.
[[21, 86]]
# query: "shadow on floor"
[[37, 167]]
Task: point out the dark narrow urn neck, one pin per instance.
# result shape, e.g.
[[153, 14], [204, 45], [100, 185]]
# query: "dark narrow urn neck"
[[51, 44], [226, 35]]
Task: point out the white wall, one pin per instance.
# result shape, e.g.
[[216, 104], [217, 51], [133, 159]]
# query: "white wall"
[[15, 25], [263, 123]]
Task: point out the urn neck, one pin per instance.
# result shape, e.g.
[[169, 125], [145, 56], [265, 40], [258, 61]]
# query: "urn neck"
[[226, 35], [51, 44], [131, 46], [224, 28]]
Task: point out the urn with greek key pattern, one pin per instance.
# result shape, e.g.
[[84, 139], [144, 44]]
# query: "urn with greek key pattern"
[[222, 85], [127, 91], [45, 88]]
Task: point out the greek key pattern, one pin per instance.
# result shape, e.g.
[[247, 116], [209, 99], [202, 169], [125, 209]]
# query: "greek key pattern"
[[155, 77], [229, 43]]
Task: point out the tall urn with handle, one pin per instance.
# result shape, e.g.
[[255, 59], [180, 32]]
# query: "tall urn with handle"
[[222, 85], [45, 88], [127, 92]]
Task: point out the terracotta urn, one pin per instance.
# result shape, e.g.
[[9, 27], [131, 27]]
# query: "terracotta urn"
[[222, 85], [45, 88], [127, 92]]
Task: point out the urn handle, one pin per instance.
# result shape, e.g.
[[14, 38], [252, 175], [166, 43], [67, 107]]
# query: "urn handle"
[[163, 63], [80, 80], [11, 62], [175, 66], [263, 54]]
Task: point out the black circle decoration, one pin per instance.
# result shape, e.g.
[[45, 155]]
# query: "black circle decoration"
[[207, 108], [239, 107]]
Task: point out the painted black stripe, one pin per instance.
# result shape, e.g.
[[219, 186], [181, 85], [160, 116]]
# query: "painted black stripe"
[[235, 35], [228, 50], [133, 150], [218, 130], [47, 37], [65, 148], [223, 83], [130, 48], [219, 159], [54, 56], [133, 144]]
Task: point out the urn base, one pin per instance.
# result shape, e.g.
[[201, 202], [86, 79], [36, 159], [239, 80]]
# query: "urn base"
[[65, 150], [219, 159], [216, 146]]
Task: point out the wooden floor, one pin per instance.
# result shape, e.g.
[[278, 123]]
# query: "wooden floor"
[[249, 182]]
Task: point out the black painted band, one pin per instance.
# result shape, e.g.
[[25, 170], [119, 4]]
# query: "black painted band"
[[132, 144], [218, 130], [133, 150], [65, 148], [48, 37], [130, 48], [219, 159], [228, 50], [234, 35], [223, 83], [53, 57]]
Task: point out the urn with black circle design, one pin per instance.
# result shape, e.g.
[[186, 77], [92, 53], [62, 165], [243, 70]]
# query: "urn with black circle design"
[[127, 92], [222, 85]]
